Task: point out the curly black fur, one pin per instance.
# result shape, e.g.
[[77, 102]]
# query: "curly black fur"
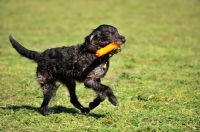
[[75, 63]]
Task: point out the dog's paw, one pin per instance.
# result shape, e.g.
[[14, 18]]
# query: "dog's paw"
[[113, 100], [85, 110], [44, 111]]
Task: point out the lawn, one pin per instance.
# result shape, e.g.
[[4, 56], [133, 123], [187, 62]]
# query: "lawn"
[[156, 77]]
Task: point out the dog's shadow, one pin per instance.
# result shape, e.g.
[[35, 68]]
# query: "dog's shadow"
[[53, 110]]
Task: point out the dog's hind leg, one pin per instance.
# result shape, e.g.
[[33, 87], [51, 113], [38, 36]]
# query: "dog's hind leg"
[[102, 91], [48, 87], [48, 91], [71, 85]]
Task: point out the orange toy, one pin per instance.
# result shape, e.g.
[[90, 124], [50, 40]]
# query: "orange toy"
[[107, 49]]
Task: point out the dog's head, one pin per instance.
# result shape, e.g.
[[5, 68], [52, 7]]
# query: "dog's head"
[[102, 36]]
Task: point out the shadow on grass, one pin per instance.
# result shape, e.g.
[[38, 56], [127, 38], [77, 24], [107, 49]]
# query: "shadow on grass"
[[54, 110]]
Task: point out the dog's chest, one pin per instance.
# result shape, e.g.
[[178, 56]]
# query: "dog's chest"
[[100, 71], [88, 65]]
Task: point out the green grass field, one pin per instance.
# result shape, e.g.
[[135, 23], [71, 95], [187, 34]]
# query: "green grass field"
[[156, 77]]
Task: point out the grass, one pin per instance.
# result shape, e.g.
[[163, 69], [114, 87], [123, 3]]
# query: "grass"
[[156, 77]]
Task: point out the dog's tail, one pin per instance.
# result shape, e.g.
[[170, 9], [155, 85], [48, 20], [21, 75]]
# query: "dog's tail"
[[32, 55]]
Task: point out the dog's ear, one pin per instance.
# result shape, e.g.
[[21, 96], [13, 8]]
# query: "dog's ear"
[[94, 35], [90, 43], [91, 37]]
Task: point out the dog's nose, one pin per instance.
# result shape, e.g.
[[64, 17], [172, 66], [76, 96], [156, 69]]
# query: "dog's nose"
[[123, 39]]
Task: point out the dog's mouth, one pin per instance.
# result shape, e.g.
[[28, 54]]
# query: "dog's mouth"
[[118, 49], [115, 51], [120, 42]]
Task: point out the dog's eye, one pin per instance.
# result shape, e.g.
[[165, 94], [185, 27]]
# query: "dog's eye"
[[112, 33]]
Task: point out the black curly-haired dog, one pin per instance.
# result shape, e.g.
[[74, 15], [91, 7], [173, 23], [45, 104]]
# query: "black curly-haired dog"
[[75, 63]]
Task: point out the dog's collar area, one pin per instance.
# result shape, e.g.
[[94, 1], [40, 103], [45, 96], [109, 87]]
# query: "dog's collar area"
[[83, 49]]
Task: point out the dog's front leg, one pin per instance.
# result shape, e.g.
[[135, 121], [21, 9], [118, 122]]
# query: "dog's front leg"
[[102, 91]]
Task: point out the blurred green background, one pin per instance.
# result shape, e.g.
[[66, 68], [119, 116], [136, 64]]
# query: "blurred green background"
[[155, 77]]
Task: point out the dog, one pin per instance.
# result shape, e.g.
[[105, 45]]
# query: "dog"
[[72, 64]]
